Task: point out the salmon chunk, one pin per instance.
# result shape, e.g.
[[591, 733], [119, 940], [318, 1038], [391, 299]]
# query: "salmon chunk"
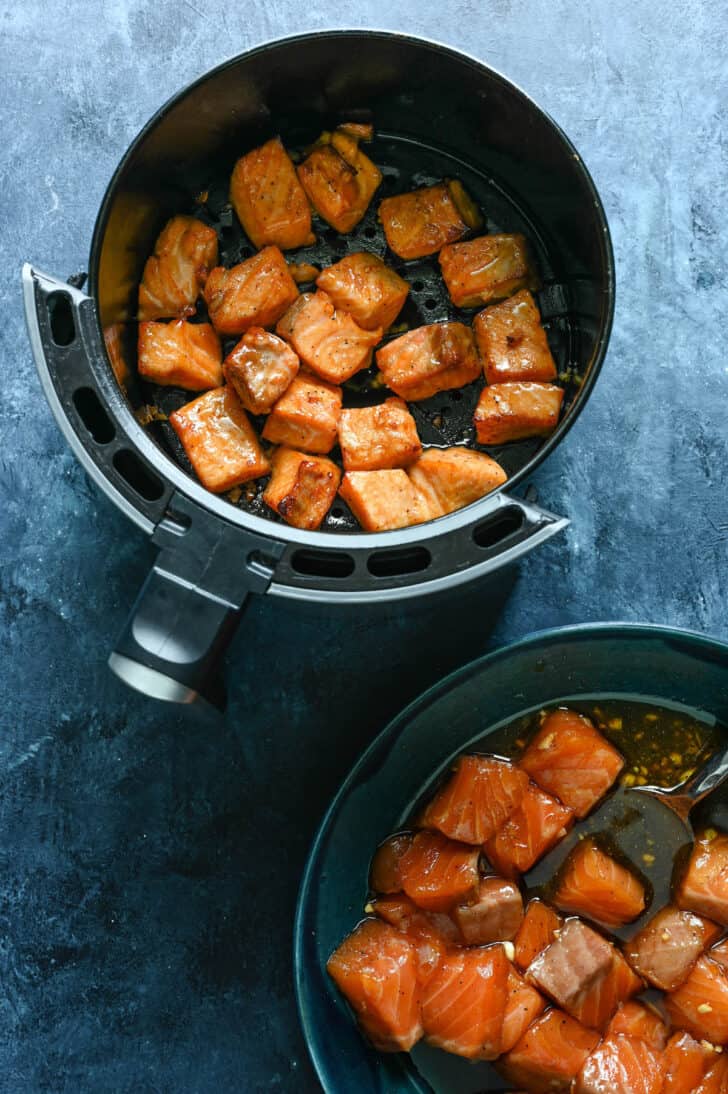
[[487, 268], [328, 341], [302, 487], [219, 440], [512, 342], [433, 358], [574, 962], [255, 293], [523, 1006], [384, 873], [269, 199], [716, 1078], [666, 949], [438, 873], [538, 930], [113, 340], [549, 1055], [570, 759], [622, 1065], [339, 179], [362, 285], [175, 275], [421, 222], [477, 799], [431, 933], [180, 354], [511, 412], [382, 500], [536, 826], [700, 1005], [376, 437], [493, 915], [704, 888], [464, 1002], [375, 968], [640, 1020], [306, 416], [303, 272], [595, 885], [453, 477], [686, 1062], [260, 368], [596, 1006]]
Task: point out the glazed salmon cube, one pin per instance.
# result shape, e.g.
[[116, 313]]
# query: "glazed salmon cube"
[[596, 1006], [260, 368], [700, 1005], [464, 1002], [667, 947], [438, 873], [512, 412], [538, 930], [328, 341], [302, 487], [377, 437], [269, 199], [381, 500], [376, 969], [421, 222], [431, 933], [255, 293], [175, 275], [339, 179], [686, 1062], [453, 477], [549, 1055], [594, 884], [512, 342], [437, 357], [570, 759], [362, 285], [523, 1006], [219, 440], [303, 272], [306, 416], [493, 915], [384, 872], [716, 1078], [574, 962], [704, 888], [487, 268], [640, 1020], [536, 826], [622, 1065], [180, 354], [477, 799]]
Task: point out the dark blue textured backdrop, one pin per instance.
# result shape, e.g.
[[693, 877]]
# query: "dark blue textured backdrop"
[[149, 857]]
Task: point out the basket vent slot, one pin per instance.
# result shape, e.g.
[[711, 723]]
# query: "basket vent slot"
[[137, 475], [92, 414], [405, 560], [60, 312], [492, 532], [323, 563]]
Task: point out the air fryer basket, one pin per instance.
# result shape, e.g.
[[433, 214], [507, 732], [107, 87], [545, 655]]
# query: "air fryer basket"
[[437, 114]]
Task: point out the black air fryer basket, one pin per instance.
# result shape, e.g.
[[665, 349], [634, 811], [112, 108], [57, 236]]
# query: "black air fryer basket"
[[437, 114]]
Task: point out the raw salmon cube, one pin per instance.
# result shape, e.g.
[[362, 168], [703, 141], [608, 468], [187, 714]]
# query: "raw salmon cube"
[[512, 342], [700, 1005], [487, 268], [704, 888], [431, 933], [594, 884], [536, 826], [377, 437], [339, 179], [306, 416], [381, 500], [453, 477], [538, 930], [175, 275], [570, 759], [686, 1062], [716, 1078], [464, 1002], [576, 960], [362, 285], [328, 341], [549, 1055], [180, 354], [622, 1065], [384, 872], [666, 949], [421, 222], [302, 487], [599, 1003], [269, 199], [376, 969], [512, 412], [493, 915], [523, 1006], [219, 440], [255, 293], [477, 799], [260, 368], [429, 359], [639, 1020], [438, 873]]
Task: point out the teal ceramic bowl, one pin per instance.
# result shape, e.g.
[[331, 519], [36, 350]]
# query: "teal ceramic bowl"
[[653, 664]]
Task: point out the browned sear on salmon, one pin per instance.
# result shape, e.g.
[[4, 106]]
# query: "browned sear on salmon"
[[175, 275], [219, 440], [255, 293], [180, 354], [269, 199], [302, 487], [362, 285], [339, 179], [327, 340], [487, 268], [421, 222], [429, 359], [260, 368]]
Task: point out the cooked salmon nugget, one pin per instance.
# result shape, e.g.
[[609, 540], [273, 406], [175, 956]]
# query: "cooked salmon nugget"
[[511, 412], [422, 221], [255, 293], [175, 275], [433, 358], [261, 368], [180, 354], [382, 500], [362, 285], [269, 199], [328, 341], [302, 487], [219, 440], [339, 179], [487, 268], [306, 416], [376, 437], [513, 343], [453, 477]]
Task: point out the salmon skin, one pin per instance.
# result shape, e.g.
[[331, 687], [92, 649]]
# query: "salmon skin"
[[666, 949], [464, 1002], [534, 827], [477, 799], [550, 1054], [640, 1020], [537, 931], [686, 1062], [622, 1065], [704, 888], [523, 1006], [700, 1005], [437, 872], [595, 885]]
